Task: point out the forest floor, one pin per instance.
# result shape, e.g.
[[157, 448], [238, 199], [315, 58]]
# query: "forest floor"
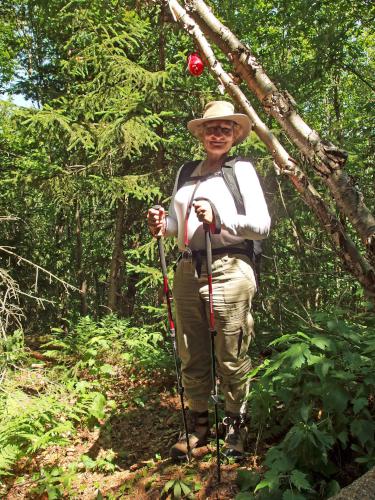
[[127, 455], [100, 425]]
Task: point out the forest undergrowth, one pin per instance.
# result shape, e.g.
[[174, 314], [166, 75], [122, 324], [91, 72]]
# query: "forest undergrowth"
[[93, 411]]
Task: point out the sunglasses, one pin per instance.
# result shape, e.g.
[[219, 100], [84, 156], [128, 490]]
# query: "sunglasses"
[[217, 130]]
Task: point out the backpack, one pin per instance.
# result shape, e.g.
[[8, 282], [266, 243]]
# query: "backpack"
[[230, 179]]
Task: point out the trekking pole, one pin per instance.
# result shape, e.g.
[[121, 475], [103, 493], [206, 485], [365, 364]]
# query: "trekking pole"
[[213, 332], [172, 330]]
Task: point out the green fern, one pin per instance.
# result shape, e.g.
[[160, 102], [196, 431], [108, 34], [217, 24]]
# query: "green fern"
[[9, 454], [31, 423]]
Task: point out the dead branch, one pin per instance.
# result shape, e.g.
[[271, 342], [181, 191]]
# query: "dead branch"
[[38, 268]]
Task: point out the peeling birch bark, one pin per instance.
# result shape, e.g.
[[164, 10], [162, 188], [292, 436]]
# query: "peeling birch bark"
[[326, 159], [348, 253]]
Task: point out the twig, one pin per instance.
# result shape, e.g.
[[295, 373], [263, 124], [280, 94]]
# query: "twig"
[[308, 321], [8, 217], [40, 300], [37, 267]]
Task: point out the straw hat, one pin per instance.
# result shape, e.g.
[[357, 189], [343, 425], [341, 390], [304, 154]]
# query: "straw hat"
[[221, 110]]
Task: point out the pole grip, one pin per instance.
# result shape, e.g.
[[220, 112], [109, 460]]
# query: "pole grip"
[[158, 207], [161, 248]]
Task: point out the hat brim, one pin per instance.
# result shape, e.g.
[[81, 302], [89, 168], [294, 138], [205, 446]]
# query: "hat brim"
[[242, 120]]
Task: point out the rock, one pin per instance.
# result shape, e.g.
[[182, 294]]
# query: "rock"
[[362, 488]]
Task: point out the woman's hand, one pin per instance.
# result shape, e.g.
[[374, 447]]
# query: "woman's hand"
[[204, 211], [156, 221]]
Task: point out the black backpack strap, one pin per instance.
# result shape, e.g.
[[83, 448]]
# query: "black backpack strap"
[[185, 173], [230, 179]]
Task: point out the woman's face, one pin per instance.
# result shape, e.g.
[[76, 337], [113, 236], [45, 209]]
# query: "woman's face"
[[218, 137]]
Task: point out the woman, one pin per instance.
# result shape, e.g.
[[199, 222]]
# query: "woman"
[[205, 198]]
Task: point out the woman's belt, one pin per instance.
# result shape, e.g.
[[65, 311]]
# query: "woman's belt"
[[196, 255]]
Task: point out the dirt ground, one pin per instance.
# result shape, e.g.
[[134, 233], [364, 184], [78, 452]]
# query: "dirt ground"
[[138, 434]]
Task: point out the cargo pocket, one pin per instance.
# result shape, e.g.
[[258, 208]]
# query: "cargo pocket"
[[233, 350], [247, 270], [240, 285]]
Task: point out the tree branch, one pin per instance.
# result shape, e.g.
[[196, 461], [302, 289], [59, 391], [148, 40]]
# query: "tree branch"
[[350, 68]]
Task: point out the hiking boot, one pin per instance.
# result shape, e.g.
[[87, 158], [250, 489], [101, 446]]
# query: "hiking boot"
[[198, 428], [236, 436]]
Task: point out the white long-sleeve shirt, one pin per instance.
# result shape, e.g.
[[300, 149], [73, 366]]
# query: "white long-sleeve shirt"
[[235, 228]]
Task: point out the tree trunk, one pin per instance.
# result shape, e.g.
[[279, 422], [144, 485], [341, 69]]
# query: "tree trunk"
[[342, 244], [130, 294], [82, 282], [325, 157], [116, 274]]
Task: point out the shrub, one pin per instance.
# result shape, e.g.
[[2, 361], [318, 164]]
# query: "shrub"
[[317, 393]]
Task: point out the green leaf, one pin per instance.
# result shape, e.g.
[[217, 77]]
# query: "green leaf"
[[334, 397], [185, 488], [323, 343], [52, 492], [88, 462], [168, 485], [247, 480], [107, 369], [299, 480], [322, 368], [332, 489], [262, 484], [278, 461], [312, 359], [305, 412], [298, 354], [9, 454], [290, 495], [363, 430], [343, 437], [177, 490], [97, 406], [359, 404]]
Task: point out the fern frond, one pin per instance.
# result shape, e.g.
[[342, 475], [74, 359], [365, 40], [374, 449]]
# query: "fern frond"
[[9, 455]]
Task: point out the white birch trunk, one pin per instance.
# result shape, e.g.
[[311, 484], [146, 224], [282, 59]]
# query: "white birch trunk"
[[349, 255], [325, 157]]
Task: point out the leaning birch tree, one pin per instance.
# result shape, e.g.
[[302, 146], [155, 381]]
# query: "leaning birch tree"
[[197, 19]]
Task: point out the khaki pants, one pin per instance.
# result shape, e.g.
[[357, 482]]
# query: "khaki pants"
[[234, 286]]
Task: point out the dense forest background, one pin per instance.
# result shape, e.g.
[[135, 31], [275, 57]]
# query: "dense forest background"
[[80, 283]]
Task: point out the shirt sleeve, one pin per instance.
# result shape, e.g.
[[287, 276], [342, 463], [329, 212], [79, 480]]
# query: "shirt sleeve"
[[255, 225], [172, 224]]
